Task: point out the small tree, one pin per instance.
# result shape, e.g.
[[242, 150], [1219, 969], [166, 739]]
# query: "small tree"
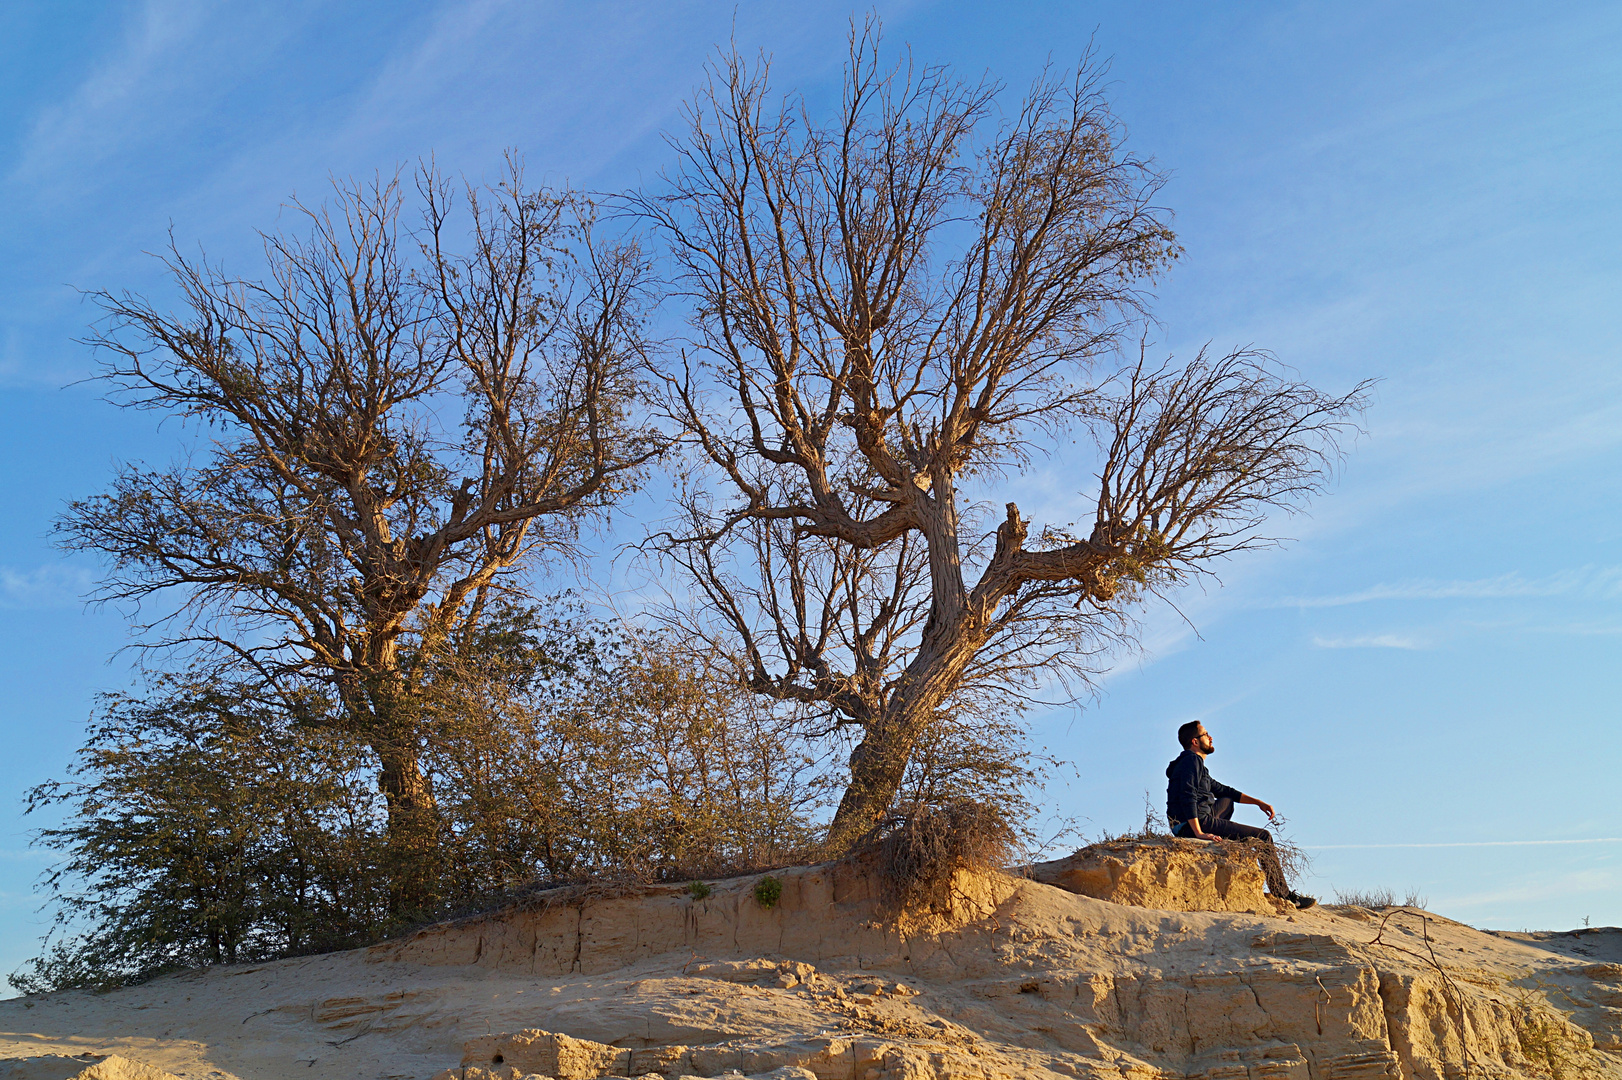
[[396, 426], [894, 307], [204, 828], [206, 825], [570, 749]]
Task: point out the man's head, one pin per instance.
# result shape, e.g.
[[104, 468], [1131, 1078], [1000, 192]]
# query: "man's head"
[[1193, 736]]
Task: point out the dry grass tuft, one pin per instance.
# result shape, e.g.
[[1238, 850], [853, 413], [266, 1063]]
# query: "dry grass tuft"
[[1292, 858], [1377, 899], [920, 850]]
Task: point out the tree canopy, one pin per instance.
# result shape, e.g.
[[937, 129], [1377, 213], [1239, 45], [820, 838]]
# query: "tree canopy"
[[360, 711], [893, 307], [398, 423]]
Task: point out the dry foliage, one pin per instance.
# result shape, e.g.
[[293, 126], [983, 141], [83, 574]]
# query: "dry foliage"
[[1376, 899], [632, 762], [397, 422], [892, 308], [920, 851], [1292, 857]]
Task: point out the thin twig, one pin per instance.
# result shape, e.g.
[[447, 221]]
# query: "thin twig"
[[1448, 984]]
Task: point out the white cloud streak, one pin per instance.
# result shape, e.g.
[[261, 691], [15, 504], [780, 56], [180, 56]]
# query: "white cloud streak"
[[1603, 583], [123, 101], [1371, 641], [52, 585], [1562, 887], [1464, 844]]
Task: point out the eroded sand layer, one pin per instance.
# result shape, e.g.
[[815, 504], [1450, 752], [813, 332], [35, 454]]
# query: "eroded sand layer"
[[1023, 979]]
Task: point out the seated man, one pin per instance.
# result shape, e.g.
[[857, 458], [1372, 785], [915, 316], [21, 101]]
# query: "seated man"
[[1202, 808]]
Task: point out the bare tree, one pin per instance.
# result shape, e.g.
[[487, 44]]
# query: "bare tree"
[[893, 309], [396, 427]]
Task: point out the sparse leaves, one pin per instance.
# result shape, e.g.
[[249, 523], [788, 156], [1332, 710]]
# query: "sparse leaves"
[[891, 309], [399, 424]]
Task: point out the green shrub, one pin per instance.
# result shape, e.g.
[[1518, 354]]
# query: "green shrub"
[[768, 891], [698, 890], [202, 827]]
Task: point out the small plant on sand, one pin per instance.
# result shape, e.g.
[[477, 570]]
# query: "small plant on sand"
[[1376, 899], [1546, 1039], [1153, 825], [768, 891], [698, 890]]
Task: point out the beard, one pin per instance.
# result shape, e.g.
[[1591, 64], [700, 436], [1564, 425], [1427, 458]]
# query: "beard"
[[1209, 750]]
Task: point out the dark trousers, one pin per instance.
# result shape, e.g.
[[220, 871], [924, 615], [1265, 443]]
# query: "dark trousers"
[[1221, 823]]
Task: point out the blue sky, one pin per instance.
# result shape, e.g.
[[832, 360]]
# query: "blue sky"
[[1421, 193]]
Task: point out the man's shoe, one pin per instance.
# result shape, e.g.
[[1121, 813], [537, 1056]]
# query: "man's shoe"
[[1301, 902]]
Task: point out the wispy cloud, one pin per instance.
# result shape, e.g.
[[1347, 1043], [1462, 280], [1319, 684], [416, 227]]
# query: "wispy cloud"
[[1579, 629], [1602, 583], [52, 585], [1602, 880], [114, 104], [1371, 641], [24, 855]]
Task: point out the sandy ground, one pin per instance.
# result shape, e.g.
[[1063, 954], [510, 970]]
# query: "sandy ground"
[[1025, 980]]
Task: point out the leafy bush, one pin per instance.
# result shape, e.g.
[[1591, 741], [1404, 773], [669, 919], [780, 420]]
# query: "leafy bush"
[[205, 828], [768, 890], [207, 824]]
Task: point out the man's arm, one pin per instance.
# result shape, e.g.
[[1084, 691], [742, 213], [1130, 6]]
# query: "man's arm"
[[1195, 831], [1266, 808]]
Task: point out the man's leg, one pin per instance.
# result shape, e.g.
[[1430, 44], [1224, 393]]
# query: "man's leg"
[[1266, 854], [1223, 810]]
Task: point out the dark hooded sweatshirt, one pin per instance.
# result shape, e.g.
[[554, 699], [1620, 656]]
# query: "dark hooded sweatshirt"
[[1191, 792]]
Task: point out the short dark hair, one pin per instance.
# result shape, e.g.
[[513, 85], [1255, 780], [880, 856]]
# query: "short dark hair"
[[1187, 733]]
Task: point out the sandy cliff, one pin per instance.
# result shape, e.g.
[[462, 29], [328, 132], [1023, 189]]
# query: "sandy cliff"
[[1023, 978]]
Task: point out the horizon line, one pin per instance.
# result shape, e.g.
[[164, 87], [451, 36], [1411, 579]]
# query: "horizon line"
[[1467, 843]]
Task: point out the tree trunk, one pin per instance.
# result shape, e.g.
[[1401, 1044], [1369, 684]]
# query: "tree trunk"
[[413, 832], [878, 765], [412, 851]]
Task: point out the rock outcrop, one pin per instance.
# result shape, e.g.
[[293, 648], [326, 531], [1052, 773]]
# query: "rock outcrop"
[[1164, 873], [1018, 979]]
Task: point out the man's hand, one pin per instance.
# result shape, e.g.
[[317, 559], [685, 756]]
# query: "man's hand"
[[1265, 808]]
